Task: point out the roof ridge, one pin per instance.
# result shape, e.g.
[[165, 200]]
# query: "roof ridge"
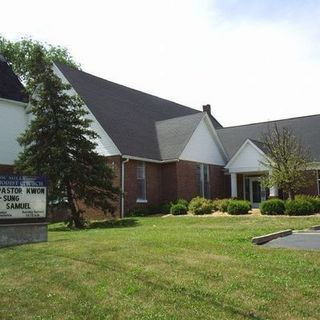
[[185, 116], [270, 121]]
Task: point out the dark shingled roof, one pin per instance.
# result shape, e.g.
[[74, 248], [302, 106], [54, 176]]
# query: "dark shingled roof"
[[306, 129], [134, 120], [10, 85], [174, 134]]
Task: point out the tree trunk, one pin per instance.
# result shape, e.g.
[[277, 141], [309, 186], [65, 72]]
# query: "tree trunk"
[[75, 214], [291, 195]]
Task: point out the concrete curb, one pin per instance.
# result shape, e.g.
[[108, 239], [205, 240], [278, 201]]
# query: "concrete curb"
[[315, 227], [268, 237]]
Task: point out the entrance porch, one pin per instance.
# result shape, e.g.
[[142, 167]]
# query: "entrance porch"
[[248, 186]]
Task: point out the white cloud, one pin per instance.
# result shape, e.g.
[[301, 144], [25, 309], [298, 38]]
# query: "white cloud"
[[187, 51]]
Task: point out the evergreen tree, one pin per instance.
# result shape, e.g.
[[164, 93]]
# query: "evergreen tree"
[[59, 142]]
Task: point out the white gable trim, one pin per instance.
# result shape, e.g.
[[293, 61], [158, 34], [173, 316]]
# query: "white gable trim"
[[221, 154], [106, 146], [215, 135], [236, 155], [19, 103]]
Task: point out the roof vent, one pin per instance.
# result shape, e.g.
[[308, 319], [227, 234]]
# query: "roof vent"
[[207, 108]]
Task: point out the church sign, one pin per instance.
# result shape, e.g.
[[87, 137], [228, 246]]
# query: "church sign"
[[22, 197]]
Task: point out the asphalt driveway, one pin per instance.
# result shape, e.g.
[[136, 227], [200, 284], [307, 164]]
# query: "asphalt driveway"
[[308, 240]]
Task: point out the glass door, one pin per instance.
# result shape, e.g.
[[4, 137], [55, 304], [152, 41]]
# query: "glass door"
[[255, 192]]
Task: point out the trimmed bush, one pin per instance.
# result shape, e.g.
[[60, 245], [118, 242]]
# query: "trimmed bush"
[[216, 205], [178, 209], [199, 206], [236, 207], [223, 205], [182, 201], [315, 201], [299, 207], [272, 207]]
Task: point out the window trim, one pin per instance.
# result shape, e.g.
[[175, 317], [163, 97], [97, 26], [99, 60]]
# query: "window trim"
[[318, 181]]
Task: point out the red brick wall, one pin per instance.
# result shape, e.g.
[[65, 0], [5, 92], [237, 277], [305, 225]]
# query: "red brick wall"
[[187, 187], [153, 183], [311, 188], [169, 181], [240, 186], [219, 182], [6, 169]]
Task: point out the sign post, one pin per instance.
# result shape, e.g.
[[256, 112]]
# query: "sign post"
[[23, 210]]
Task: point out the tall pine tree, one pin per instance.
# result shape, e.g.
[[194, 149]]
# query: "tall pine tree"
[[59, 142]]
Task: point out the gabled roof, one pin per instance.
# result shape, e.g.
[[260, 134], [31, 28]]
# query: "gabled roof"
[[134, 120], [174, 134], [306, 129], [257, 146], [10, 85]]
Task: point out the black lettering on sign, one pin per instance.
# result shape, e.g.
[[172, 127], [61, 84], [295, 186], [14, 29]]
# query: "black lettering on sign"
[[11, 198], [25, 206], [35, 190]]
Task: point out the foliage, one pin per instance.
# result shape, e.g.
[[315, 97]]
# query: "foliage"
[[200, 206], [59, 142], [286, 159], [236, 207], [223, 206], [182, 201], [216, 204], [299, 207], [272, 207], [314, 200], [137, 211], [178, 209], [21, 55], [165, 208]]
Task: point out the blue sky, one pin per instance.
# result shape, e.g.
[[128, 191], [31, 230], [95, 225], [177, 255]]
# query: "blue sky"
[[251, 60]]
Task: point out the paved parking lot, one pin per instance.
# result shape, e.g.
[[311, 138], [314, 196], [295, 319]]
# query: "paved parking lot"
[[309, 240]]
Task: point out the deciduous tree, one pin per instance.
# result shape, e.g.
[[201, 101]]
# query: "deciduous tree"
[[287, 159]]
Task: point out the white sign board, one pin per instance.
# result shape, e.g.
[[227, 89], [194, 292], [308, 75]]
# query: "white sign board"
[[22, 197]]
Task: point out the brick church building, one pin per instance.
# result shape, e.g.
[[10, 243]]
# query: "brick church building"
[[160, 150]]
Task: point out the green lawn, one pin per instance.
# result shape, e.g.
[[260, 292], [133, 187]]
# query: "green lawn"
[[162, 268]]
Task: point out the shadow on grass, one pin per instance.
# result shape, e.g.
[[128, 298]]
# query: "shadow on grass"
[[104, 224], [115, 223]]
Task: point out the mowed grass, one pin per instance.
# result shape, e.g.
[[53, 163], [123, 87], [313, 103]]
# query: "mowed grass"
[[162, 268]]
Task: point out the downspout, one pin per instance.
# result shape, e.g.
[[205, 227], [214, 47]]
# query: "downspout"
[[122, 187]]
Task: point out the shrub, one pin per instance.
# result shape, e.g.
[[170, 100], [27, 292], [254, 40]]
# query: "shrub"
[[223, 205], [315, 201], [137, 211], [165, 208], [200, 206], [216, 204], [298, 207], [272, 206], [181, 201], [178, 209], [236, 207]]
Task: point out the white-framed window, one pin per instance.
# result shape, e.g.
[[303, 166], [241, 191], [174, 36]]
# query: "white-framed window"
[[203, 180], [141, 182], [318, 181]]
